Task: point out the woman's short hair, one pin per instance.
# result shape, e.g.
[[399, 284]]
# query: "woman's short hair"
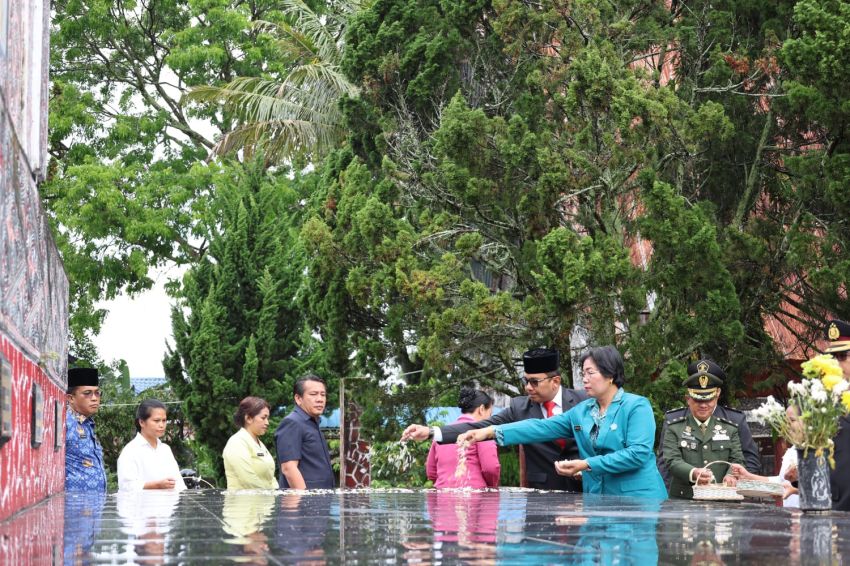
[[609, 361], [470, 399], [249, 407], [145, 409]]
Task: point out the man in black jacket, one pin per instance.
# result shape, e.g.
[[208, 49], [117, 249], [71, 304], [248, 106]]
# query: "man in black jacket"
[[546, 397], [838, 333]]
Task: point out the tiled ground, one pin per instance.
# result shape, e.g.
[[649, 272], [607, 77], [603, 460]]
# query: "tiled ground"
[[508, 526]]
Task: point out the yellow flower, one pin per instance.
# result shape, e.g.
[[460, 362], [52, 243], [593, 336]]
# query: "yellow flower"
[[829, 381], [845, 400], [833, 369], [821, 366]]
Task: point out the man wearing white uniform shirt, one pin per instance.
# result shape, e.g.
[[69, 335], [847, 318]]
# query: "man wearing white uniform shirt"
[[146, 462]]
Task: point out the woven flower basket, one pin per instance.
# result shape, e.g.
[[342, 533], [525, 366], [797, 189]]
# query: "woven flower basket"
[[716, 491], [757, 488]]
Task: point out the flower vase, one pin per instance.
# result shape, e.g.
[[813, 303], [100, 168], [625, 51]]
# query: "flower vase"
[[813, 472]]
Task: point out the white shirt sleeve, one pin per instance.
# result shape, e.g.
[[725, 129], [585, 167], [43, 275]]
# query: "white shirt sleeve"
[[789, 459], [438, 434], [129, 470], [179, 484]]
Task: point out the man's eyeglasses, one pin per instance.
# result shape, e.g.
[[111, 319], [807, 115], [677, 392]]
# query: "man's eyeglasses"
[[88, 393], [534, 382]]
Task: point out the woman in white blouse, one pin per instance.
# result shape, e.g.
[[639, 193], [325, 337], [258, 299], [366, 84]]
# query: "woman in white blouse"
[[146, 462]]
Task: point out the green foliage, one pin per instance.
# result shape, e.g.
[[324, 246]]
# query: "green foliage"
[[696, 306], [237, 329], [399, 464], [667, 177], [498, 215], [296, 116], [509, 461], [497, 203], [127, 190]]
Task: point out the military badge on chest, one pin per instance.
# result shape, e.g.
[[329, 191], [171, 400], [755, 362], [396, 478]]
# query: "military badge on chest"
[[688, 439], [720, 433]]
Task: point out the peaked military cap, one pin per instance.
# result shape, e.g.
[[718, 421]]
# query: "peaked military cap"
[[541, 360], [705, 378], [78, 377], [838, 334]]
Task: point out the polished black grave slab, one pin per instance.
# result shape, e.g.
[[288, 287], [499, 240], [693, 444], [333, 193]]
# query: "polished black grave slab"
[[510, 526]]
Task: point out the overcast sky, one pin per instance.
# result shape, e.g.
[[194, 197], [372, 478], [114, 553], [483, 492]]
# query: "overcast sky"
[[136, 329]]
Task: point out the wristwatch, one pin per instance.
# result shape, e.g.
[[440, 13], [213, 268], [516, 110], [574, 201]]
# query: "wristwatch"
[[430, 433]]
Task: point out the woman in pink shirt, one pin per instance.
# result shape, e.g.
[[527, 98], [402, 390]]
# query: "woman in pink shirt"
[[482, 460]]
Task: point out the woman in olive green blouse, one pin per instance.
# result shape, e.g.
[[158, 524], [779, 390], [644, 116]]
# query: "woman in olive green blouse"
[[247, 462]]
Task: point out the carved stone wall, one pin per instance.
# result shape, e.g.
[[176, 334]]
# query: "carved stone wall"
[[33, 284], [357, 471]]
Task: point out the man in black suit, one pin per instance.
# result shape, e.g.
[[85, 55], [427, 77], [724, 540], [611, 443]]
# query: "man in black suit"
[[838, 333], [546, 398]]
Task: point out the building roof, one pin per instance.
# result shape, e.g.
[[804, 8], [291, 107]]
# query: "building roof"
[[139, 384]]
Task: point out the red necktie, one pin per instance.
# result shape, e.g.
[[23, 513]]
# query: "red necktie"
[[550, 412]]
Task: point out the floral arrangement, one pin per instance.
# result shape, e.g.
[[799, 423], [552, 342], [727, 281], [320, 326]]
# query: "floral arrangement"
[[819, 400]]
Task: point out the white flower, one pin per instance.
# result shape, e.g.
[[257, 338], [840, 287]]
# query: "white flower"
[[768, 411], [795, 388], [818, 392]]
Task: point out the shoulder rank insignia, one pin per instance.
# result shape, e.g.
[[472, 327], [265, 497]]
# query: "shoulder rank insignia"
[[726, 421]]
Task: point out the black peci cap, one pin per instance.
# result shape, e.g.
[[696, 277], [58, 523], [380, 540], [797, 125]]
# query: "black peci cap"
[[541, 360], [78, 377]]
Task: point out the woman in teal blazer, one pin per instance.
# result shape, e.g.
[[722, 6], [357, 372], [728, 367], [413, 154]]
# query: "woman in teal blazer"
[[614, 431]]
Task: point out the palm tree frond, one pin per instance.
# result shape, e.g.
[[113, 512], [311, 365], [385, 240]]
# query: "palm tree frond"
[[300, 115]]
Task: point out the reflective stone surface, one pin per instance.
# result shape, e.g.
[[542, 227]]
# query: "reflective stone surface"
[[420, 527]]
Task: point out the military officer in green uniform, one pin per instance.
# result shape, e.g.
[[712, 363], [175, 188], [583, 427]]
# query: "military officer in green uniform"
[[698, 438]]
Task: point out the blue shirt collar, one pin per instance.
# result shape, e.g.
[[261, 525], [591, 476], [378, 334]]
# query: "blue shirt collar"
[[618, 396], [303, 414], [80, 419]]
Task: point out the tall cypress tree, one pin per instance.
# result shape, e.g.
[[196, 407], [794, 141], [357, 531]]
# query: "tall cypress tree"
[[237, 330]]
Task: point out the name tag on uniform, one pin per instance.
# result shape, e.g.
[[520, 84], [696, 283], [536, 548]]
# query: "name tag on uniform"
[[577, 428], [260, 454], [720, 437], [87, 464]]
